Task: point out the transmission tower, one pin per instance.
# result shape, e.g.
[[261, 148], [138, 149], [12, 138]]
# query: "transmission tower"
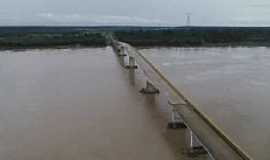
[[188, 19]]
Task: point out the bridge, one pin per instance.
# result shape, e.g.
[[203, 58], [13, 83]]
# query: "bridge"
[[102, 103], [204, 136]]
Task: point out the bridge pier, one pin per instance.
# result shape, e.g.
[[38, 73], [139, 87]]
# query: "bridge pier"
[[132, 64], [218, 144], [195, 147], [150, 89], [132, 67], [121, 54], [176, 122], [121, 51]]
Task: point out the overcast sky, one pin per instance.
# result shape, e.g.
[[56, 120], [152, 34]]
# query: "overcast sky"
[[135, 12]]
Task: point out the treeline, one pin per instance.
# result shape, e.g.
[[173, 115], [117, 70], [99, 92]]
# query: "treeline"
[[197, 36], [34, 37], [43, 39]]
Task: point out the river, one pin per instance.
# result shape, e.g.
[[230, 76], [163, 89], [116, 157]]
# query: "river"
[[66, 104], [62, 103], [231, 85]]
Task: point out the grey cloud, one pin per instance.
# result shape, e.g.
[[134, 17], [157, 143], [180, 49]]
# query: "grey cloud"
[[133, 12], [95, 19]]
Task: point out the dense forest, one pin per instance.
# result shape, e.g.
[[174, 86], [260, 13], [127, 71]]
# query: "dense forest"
[[198, 36], [36, 40], [34, 37]]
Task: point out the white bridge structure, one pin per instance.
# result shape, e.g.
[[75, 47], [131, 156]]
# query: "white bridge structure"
[[204, 136]]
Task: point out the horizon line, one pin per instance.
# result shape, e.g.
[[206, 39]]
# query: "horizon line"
[[145, 26]]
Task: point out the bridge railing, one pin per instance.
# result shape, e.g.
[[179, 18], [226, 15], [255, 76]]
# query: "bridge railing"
[[203, 131]]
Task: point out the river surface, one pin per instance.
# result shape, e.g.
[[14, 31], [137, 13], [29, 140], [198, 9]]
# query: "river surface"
[[66, 104], [78, 103], [231, 85]]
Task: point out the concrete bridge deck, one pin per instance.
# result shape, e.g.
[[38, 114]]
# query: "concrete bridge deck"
[[78, 104], [209, 136]]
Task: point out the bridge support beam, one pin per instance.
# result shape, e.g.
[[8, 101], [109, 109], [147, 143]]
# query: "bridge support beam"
[[132, 67], [198, 124], [149, 89], [132, 64], [121, 51], [121, 54], [195, 147], [176, 122]]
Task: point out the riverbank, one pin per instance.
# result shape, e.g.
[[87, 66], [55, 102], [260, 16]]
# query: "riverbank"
[[59, 37], [198, 37], [23, 40]]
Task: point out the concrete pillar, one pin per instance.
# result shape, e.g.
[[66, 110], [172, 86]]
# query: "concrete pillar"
[[132, 67], [121, 54], [149, 89], [121, 51], [195, 147], [176, 122], [132, 64]]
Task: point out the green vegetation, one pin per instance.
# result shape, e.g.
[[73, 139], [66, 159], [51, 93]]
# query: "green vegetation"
[[197, 36], [34, 37], [34, 40]]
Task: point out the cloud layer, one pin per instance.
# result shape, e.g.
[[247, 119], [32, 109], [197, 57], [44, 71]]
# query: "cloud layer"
[[131, 12], [95, 19]]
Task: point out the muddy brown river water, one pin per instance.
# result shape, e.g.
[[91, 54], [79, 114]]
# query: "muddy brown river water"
[[66, 104], [231, 85], [62, 104]]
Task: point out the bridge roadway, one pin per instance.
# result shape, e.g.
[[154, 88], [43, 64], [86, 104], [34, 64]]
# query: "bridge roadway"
[[214, 140], [78, 104]]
